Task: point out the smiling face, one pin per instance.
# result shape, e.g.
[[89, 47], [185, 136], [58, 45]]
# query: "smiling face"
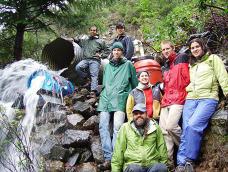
[[139, 118], [93, 31], [120, 30], [117, 53], [196, 50], [167, 49], [144, 78]]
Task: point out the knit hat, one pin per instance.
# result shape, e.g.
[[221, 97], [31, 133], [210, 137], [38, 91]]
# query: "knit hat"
[[117, 45]]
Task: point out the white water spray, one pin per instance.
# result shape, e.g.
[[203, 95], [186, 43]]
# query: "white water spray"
[[13, 80]]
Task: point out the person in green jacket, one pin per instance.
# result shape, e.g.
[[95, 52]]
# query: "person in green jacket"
[[119, 78], [207, 72], [140, 146]]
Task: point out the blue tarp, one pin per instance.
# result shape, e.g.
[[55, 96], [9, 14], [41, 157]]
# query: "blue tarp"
[[53, 83]]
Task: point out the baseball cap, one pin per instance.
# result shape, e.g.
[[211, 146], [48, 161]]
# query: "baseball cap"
[[139, 107]]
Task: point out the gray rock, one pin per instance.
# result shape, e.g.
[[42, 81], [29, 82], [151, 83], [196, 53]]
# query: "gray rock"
[[47, 145], [78, 97], [87, 167], [73, 159], [219, 122], [97, 149], [59, 153], [75, 137], [91, 123], [85, 156], [75, 119], [60, 128], [81, 107], [54, 166]]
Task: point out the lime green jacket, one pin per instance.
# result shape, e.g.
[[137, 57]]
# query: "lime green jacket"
[[205, 77], [133, 148]]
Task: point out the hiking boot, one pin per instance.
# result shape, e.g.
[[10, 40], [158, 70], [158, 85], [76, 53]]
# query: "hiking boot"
[[189, 166], [180, 168], [105, 166]]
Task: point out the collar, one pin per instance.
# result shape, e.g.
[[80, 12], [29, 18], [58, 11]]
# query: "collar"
[[151, 127], [142, 86]]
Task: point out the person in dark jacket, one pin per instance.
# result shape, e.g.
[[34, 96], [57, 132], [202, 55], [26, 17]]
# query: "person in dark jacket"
[[128, 45], [176, 79], [93, 50], [119, 78], [145, 93]]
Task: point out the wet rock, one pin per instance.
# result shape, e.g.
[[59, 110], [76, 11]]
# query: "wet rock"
[[78, 97], [84, 92], [73, 159], [91, 101], [54, 166], [75, 120], [87, 167], [59, 153], [219, 122], [83, 108], [60, 128], [52, 117], [85, 156], [75, 137], [47, 146], [91, 123], [97, 149]]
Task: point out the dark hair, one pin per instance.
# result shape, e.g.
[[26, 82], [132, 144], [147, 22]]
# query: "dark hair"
[[94, 27], [202, 45], [120, 25], [139, 73]]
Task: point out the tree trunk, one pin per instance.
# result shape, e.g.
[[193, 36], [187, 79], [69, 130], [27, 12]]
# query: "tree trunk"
[[18, 44]]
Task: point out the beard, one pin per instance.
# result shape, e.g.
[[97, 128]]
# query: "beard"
[[140, 122]]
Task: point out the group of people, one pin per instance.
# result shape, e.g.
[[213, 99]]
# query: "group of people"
[[145, 143]]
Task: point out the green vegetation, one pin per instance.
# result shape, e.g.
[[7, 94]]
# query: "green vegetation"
[[154, 20]]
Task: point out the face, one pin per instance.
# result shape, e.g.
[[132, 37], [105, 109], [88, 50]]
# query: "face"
[[120, 30], [144, 78], [139, 118], [167, 49], [117, 53], [196, 49], [93, 31]]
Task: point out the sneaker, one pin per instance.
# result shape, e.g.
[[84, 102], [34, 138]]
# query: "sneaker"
[[105, 166], [180, 168]]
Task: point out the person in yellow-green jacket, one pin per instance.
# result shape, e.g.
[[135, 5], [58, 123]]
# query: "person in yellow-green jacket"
[[140, 146], [207, 72]]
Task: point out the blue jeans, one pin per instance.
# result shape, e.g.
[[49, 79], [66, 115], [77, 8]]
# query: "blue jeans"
[[158, 167], [93, 66], [104, 129], [196, 115]]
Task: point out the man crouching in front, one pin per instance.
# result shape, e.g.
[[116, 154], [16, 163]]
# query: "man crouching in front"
[[140, 146]]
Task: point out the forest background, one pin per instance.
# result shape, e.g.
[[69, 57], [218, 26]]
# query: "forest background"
[[26, 26]]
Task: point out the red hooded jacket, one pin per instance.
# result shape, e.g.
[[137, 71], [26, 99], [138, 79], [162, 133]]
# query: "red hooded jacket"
[[176, 79]]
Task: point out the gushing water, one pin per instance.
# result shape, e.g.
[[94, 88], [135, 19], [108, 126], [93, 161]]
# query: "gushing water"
[[16, 155]]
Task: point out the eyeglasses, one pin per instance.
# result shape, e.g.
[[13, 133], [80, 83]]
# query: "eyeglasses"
[[93, 30]]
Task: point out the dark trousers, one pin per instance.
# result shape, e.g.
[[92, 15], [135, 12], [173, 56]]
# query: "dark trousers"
[[158, 167]]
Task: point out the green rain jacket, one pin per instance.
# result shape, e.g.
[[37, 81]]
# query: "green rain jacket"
[[205, 76], [118, 80], [133, 148]]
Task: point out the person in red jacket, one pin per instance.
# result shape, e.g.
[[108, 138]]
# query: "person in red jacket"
[[175, 78]]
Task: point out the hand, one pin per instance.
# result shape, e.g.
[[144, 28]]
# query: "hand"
[[98, 55]]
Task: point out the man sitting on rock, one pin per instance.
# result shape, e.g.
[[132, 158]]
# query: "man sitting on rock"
[[140, 146], [93, 50]]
